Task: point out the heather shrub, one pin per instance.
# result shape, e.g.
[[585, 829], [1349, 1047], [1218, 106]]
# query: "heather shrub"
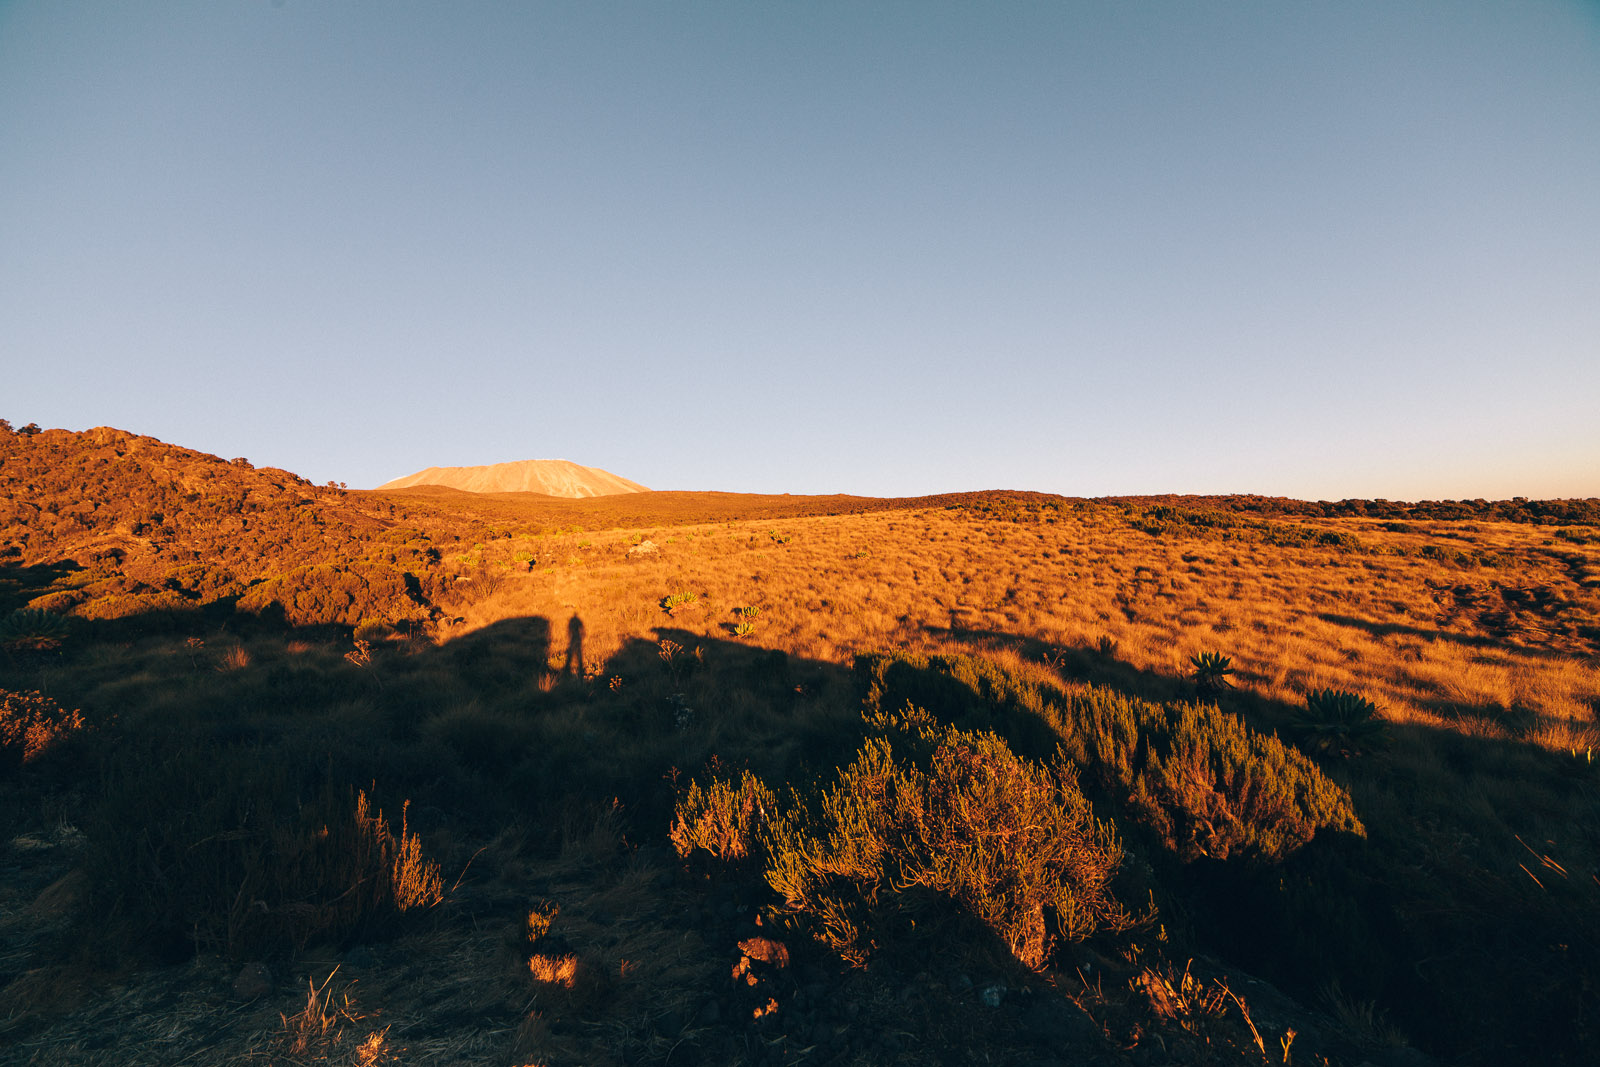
[[722, 819], [31, 724], [131, 605], [346, 594], [57, 602], [204, 583], [1200, 780], [1010, 841]]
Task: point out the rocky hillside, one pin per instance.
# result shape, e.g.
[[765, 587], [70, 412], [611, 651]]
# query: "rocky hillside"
[[107, 524]]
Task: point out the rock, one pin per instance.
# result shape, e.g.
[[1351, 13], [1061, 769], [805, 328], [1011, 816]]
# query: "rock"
[[765, 949], [993, 994], [252, 981], [643, 548]]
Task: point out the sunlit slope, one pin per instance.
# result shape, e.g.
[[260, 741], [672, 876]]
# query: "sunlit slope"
[[552, 477]]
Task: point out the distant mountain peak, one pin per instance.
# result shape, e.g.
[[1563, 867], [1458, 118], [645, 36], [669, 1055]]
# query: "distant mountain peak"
[[552, 477]]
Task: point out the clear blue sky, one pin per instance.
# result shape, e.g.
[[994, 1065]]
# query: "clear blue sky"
[[1310, 249]]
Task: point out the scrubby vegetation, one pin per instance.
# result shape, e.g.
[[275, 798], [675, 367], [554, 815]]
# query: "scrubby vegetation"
[[31, 725], [1013, 843], [1201, 780], [967, 785]]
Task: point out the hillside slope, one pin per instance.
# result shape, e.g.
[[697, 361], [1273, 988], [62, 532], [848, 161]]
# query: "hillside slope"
[[552, 477], [108, 524]]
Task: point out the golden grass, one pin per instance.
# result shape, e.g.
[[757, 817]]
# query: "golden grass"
[[1293, 619]]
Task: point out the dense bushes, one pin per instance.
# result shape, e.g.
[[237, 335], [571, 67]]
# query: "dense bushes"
[[1201, 780], [130, 605], [1012, 842], [331, 593]]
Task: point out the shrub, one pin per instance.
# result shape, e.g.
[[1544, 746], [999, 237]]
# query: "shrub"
[[1012, 842], [166, 604], [372, 632], [722, 819], [1200, 780], [32, 724], [330, 593], [58, 602]]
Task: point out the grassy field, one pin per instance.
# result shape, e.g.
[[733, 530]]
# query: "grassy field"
[[686, 778]]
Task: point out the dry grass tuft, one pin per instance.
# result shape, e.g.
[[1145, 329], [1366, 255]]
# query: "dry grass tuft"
[[559, 971], [317, 1028], [235, 658]]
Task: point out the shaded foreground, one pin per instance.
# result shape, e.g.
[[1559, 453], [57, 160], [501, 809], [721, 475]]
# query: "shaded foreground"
[[297, 775]]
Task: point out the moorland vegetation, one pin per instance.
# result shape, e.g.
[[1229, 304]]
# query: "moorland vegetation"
[[299, 774]]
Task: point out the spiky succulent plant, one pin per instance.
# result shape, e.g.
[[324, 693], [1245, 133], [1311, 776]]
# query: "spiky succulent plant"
[[1211, 670], [1337, 721], [32, 630]]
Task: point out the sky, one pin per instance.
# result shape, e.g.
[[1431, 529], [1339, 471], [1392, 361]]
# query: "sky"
[[1318, 250]]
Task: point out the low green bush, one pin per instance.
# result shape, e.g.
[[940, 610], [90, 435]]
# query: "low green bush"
[[1199, 779], [1012, 842], [164, 604]]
